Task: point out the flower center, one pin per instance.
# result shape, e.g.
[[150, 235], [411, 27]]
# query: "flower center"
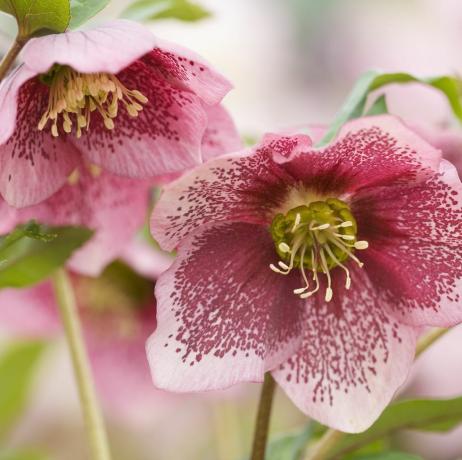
[[74, 96], [317, 237]]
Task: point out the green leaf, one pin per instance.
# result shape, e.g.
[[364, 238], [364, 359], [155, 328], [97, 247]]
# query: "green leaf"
[[17, 367], [378, 107], [27, 258], [423, 414], [23, 455], [373, 80], [289, 447], [148, 10], [388, 456], [83, 10], [37, 17]]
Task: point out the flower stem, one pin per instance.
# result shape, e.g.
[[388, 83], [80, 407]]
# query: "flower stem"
[[332, 437], [321, 449], [91, 411], [263, 418], [10, 57]]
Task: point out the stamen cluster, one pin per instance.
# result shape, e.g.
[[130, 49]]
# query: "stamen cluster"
[[74, 96], [319, 237]]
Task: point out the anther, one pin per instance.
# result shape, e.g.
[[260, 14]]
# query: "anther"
[[298, 217], [361, 245], [284, 247]]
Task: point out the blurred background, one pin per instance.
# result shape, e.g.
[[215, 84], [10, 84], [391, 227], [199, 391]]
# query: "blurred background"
[[292, 63]]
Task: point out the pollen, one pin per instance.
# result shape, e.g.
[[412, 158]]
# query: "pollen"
[[316, 238], [74, 97]]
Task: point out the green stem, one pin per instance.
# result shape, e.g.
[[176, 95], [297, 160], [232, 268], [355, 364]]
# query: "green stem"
[[331, 437], [263, 418], [10, 57], [89, 403], [322, 448]]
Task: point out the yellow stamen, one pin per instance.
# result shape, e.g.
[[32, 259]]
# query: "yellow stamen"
[[74, 96]]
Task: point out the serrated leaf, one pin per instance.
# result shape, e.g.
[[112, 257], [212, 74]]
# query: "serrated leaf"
[[36, 17], [423, 414], [289, 447], [28, 260], [18, 363], [373, 80], [149, 10], [83, 10]]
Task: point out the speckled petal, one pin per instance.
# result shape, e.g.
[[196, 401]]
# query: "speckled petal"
[[166, 136], [352, 359], [223, 316]]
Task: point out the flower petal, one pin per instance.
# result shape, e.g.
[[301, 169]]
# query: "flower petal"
[[352, 360], [188, 70], [221, 135], [145, 259], [415, 251], [9, 93], [165, 137], [108, 48], [222, 315], [33, 164], [29, 312], [114, 207], [245, 186]]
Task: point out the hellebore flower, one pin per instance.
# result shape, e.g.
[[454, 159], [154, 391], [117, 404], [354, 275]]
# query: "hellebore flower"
[[116, 95], [115, 207], [319, 265], [118, 313]]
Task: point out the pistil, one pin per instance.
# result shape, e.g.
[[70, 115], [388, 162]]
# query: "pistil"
[[326, 230]]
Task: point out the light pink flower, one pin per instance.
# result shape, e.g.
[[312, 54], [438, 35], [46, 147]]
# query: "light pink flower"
[[114, 207], [115, 95], [376, 218], [117, 321]]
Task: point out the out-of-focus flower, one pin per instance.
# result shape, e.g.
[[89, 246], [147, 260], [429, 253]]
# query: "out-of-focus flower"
[[367, 233], [437, 374], [118, 313], [116, 95]]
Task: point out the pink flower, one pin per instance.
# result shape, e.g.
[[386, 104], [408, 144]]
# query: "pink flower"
[[115, 95], [114, 207], [368, 235], [118, 313]]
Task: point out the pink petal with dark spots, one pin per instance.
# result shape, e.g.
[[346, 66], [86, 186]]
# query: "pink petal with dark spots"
[[186, 69], [222, 315], [9, 93], [352, 359], [33, 164], [166, 136], [108, 48], [414, 257], [245, 187]]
